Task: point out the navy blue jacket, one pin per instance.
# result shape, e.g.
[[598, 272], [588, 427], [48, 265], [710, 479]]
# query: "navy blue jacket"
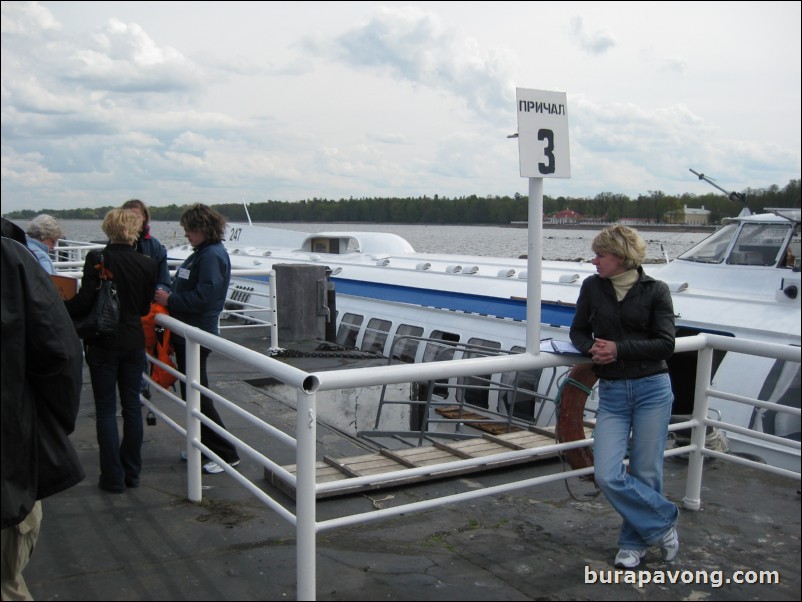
[[200, 287], [150, 246]]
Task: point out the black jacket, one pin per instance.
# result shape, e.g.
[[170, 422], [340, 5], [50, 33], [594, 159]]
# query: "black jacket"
[[135, 275], [42, 373], [641, 325]]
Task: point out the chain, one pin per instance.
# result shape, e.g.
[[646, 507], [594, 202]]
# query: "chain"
[[325, 350]]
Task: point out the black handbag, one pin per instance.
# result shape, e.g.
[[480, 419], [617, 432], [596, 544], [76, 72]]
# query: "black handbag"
[[104, 317]]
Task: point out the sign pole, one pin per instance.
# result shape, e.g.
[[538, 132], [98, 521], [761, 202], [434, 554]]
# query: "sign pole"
[[534, 271], [543, 152]]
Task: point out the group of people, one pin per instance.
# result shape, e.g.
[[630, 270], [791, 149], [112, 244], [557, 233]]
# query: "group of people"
[[196, 296], [624, 321], [39, 341]]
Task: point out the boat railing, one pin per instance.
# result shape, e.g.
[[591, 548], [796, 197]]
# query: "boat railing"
[[308, 386], [246, 306], [69, 255], [251, 307], [487, 401]]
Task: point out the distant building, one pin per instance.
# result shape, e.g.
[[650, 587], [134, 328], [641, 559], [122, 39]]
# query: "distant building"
[[566, 216], [696, 217], [636, 221]]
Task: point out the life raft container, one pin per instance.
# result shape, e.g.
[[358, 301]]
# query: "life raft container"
[[573, 394]]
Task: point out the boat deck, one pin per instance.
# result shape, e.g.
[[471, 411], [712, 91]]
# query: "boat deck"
[[150, 543]]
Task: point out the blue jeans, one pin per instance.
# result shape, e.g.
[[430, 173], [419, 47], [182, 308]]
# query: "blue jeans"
[[112, 370], [642, 406]]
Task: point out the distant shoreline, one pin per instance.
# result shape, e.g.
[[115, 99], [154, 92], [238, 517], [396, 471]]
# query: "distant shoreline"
[[641, 227]]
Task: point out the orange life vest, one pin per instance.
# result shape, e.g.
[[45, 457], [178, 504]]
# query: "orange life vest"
[[158, 346]]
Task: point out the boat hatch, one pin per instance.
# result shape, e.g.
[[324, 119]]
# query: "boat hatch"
[[327, 244]]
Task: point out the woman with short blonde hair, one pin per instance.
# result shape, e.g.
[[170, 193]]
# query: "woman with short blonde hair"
[[116, 361], [122, 226]]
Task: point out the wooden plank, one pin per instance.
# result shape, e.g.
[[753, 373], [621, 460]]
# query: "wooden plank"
[[342, 470]]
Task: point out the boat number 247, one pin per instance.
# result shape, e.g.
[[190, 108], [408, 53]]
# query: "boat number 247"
[[234, 234]]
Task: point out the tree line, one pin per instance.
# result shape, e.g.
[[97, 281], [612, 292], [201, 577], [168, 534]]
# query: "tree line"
[[655, 206]]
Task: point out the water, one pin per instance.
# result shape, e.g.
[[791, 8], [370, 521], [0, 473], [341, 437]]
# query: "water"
[[495, 241]]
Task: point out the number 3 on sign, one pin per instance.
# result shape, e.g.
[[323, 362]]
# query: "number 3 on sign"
[[548, 136], [543, 134]]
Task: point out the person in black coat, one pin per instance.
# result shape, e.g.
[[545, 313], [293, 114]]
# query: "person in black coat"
[[42, 368], [115, 362], [624, 321]]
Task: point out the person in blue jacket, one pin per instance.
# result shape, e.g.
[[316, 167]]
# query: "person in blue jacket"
[[197, 298], [42, 235], [149, 245]]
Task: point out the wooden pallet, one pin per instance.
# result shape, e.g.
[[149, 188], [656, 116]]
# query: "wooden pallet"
[[342, 470]]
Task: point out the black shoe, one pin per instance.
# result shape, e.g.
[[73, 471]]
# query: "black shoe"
[[109, 488]]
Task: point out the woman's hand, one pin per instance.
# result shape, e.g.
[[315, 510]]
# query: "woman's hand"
[[161, 297], [603, 352]]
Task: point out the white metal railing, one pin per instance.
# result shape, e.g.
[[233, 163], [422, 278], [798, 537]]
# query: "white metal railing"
[[252, 304], [307, 385]]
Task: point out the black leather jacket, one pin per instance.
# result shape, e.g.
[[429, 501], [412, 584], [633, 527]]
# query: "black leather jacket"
[[641, 325], [42, 375]]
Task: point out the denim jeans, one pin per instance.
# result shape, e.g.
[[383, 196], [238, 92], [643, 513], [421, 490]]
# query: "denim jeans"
[[641, 406], [111, 371], [226, 450]]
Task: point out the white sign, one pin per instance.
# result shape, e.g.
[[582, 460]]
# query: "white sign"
[[543, 134]]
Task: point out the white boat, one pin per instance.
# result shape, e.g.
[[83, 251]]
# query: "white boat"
[[742, 281]]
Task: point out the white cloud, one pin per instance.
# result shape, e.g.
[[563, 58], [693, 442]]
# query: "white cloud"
[[104, 101], [597, 42]]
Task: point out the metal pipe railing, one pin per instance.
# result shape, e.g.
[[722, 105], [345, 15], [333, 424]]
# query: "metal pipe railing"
[[309, 385]]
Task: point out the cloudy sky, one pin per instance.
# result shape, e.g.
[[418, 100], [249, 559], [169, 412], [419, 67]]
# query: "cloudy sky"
[[180, 102]]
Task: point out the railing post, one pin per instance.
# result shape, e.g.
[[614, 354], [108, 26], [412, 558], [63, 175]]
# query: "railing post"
[[192, 362], [693, 486], [305, 497], [273, 310]]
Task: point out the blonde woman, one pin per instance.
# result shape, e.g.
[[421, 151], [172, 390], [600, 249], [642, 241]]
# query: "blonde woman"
[[625, 321], [115, 362]]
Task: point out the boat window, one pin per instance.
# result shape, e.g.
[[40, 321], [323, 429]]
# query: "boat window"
[[758, 244], [792, 252], [375, 335], [405, 347], [475, 389], [442, 348], [439, 351], [519, 393], [349, 329], [712, 249]]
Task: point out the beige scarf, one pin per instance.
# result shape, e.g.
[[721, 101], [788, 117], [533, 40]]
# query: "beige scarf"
[[623, 282]]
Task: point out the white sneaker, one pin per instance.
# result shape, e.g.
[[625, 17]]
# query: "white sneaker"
[[629, 559], [214, 468], [669, 543]]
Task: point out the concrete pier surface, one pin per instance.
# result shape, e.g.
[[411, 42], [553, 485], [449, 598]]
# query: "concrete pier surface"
[[551, 542]]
